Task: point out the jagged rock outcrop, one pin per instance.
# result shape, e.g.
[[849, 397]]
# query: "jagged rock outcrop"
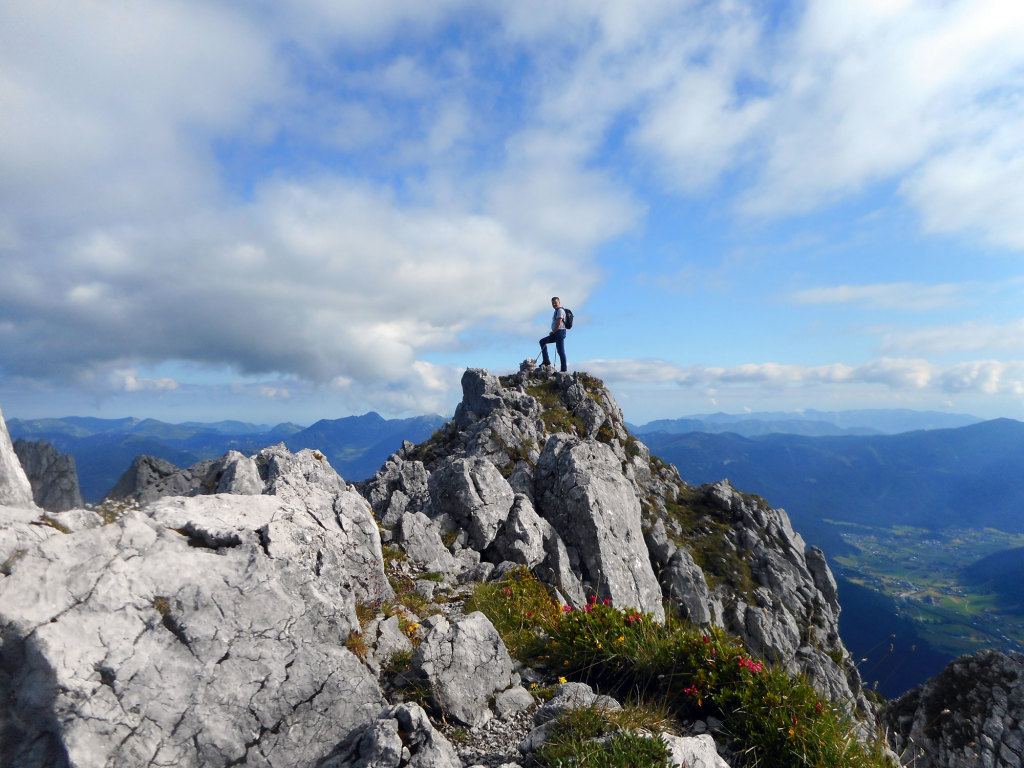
[[595, 508], [52, 475], [150, 478], [204, 630], [592, 513], [15, 489], [970, 714], [400, 736], [465, 664]]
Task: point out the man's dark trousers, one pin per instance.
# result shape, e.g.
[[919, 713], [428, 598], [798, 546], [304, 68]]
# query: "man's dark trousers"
[[558, 338]]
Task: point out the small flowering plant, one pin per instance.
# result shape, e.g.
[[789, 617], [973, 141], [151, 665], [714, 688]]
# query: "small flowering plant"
[[699, 673]]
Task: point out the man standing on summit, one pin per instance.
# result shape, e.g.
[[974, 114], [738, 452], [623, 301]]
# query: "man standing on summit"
[[557, 334]]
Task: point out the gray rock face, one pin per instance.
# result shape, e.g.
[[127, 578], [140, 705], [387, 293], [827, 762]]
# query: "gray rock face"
[[617, 522], [202, 630], [149, 478], [234, 473], [400, 736], [970, 714], [137, 643], [687, 586], [421, 540], [15, 490], [595, 509], [475, 494], [465, 663], [521, 540], [52, 475]]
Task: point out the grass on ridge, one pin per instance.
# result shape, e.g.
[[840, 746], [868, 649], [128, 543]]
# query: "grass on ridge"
[[772, 718]]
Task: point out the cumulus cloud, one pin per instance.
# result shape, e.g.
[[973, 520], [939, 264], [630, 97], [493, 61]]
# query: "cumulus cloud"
[[965, 337], [122, 244], [907, 296], [275, 189], [894, 374]]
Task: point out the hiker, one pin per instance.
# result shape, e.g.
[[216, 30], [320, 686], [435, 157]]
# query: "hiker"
[[557, 335]]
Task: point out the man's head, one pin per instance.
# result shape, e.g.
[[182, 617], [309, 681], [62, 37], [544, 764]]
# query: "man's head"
[[556, 302]]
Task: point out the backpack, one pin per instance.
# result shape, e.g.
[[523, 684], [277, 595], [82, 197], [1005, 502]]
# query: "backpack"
[[568, 318]]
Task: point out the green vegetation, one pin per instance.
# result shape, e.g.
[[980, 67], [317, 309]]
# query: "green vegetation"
[[704, 533], [771, 718], [519, 607], [54, 523], [574, 742], [924, 572], [554, 414]]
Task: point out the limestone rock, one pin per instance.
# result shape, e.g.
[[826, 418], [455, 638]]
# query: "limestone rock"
[[150, 478], [400, 736], [475, 494], [421, 540], [693, 751], [584, 495], [234, 473], [52, 475], [521, 539], [15, 490], [970, 714], [137, 643], [465, 663], [685, 584]]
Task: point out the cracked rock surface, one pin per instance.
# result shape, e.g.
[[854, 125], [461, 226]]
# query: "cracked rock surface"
[[970, 714], [200, 631]]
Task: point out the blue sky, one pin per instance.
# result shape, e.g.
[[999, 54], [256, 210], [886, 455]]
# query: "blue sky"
[[276, 212]]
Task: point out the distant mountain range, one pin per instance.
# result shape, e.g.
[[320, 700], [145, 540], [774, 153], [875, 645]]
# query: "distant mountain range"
[[811, 423], [103, 449], [965, 477]]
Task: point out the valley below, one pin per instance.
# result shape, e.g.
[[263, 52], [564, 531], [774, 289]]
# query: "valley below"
[[925, 573]]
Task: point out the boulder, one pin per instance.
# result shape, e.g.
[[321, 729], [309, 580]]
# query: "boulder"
[[421, 540], [581, 491], [464, 663], [15, 489], [400, 736], [150, 478], [475, 494], [693, 751], [179, 638], [52, 475], [521, 538]]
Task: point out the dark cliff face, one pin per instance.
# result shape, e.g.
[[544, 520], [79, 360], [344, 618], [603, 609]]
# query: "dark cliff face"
[[52, 475], [599, 515], [970, 714]]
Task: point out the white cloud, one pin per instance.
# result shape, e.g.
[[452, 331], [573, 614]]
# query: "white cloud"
[[894, 374], [130, 381], [905, 296], [960, 338]]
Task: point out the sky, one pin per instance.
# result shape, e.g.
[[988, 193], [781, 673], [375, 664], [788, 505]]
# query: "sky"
[[292, 211]]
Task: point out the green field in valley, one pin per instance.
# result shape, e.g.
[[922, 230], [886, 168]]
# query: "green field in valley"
[[922, 571]]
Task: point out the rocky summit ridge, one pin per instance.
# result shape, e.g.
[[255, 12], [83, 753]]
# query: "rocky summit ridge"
[[250, 611]]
